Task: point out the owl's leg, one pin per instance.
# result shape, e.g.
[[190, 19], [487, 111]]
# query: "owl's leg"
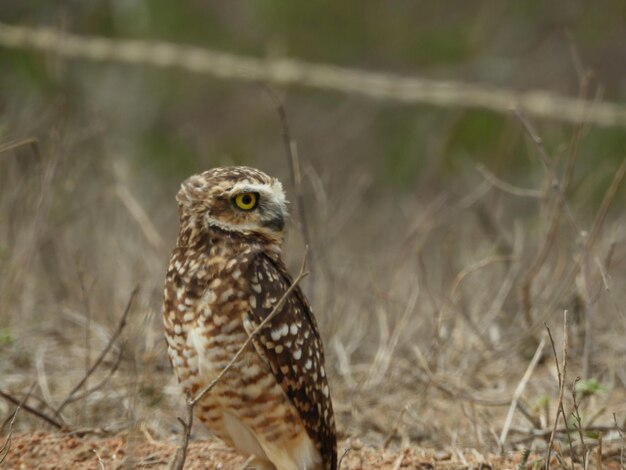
[[260, 464]]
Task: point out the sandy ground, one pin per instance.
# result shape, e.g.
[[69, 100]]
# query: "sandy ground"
[[42, 450]]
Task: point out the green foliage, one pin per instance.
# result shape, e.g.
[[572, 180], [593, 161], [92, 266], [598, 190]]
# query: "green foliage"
[[589, 387], [5, 337]]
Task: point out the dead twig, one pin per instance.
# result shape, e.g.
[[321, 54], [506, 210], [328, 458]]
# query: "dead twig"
[[519, 390], [40, 414], [561, 376], [546, 161], [103, 354], [4, 451], [584, 265], [507, 187], [293, 161], [345, 452], [579, 422], [181, 453]]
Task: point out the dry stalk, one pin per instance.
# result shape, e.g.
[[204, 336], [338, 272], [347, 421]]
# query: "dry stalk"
[[140, 215], [546, 432], [521, 386], [291, 152], [4, 451], [345, 452], [621, 435], [284, 72], [102, 355], [599, 453], [448, 301], [584, 265], [561, 376], [395, 427], [561, 203], [32, 142], [546, 161], [579, 423], [507, 187], [181, 453]]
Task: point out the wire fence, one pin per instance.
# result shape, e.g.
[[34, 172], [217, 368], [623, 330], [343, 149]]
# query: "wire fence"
[[285, 72]]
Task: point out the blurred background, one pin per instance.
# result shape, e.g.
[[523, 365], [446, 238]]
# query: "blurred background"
[[439, 245]]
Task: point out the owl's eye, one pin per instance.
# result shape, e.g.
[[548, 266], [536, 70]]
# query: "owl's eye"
[[246, 201]]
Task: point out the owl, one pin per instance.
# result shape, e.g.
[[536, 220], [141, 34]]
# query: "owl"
[[225, 276]]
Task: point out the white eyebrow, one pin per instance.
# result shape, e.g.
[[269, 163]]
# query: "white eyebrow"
[[250, 188]]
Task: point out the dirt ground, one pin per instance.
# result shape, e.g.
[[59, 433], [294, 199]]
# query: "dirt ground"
[[42, 450]]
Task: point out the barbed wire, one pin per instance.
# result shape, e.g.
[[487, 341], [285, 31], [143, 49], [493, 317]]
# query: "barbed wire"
[[283, 72]]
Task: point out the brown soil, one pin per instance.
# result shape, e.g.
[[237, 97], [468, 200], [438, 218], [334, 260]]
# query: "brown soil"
[[42, 450]]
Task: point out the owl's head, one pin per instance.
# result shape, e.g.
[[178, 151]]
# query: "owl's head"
[[235, 199]]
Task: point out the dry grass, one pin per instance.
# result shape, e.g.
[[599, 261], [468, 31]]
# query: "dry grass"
[[431, 305]]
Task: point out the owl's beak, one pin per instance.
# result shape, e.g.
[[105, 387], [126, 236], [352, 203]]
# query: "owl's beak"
[[276, 223]]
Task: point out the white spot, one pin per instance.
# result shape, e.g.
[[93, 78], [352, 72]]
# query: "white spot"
[[226, 295], [236, 274], [297, 354], [256, 288], [284, 330], [276, 334], [322, 371], [252, 301], [293, 329], [279, 349], [177, 329], [308, 364], [181, 307], [325, 391], [189, 316]]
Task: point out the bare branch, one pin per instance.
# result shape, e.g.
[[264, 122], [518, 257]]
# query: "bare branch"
[[561, 375], [40, 414], [291, 151], [517, 394], [507, 187], [104, 352]]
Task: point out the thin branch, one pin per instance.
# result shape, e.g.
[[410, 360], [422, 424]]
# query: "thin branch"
[[103, 382], [104, 352], [579, 422], [4, 451], [40, 414], [521, 386], [507, 187], [584, 265], [547, 164], [293, 161], [181, 453], [561, 375]]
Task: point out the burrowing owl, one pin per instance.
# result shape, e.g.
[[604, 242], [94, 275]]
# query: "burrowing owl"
[[224, 277]]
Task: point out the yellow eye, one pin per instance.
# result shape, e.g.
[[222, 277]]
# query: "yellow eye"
[[246, 201]]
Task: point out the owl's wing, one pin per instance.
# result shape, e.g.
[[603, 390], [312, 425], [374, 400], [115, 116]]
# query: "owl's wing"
[[292, 347]]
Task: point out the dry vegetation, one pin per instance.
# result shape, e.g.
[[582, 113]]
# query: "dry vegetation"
[[432, 309], [471, 324]]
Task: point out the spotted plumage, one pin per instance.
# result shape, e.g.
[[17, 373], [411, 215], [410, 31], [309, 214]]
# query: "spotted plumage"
[[224, 278]]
